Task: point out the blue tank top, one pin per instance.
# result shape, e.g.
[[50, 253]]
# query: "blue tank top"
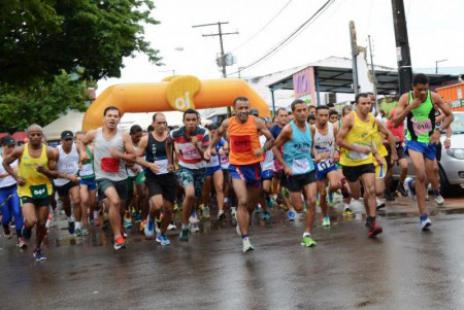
[[297, 151]]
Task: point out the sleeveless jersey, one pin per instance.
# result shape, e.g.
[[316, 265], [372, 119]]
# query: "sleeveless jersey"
[[325, 144], [297, 150], [67, 163], [155, 152], [8, 180], [107, 167], [421, 120], [86, 171], [38, 185], [243, 142]]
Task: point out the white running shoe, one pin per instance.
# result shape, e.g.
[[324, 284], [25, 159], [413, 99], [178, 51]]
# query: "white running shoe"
[[246, 245], [439, 200]]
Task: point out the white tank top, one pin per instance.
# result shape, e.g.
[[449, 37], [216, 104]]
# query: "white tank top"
[[67, 163], [268, 162], [9, 180], [325, 144], [107, 167]]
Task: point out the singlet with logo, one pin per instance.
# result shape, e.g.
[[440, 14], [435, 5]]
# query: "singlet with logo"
[[8, 180], [37, 185], [67, 163], [243, 142], [268, 162], [106, 166], [361, 134], [155, 152], [325, 144], [421, 120], [86, 171], [297, 150]]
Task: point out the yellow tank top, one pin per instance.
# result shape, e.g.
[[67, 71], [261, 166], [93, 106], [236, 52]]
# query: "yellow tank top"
[[378, 138], [38, 185], [362, 133]]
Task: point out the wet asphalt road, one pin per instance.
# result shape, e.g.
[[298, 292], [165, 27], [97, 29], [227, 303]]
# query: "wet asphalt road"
[[402, 269]]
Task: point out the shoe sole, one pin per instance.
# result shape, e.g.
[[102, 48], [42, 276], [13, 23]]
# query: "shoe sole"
[[248, 250], [426, 227], [308, 245], [119, 247]]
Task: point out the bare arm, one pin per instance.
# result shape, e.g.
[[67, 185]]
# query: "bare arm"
[[404, 108], [390, 138], [87, 139], [214, 140], [283, 137], [265, 131], [51, 171], [445, 109], [8, 160]]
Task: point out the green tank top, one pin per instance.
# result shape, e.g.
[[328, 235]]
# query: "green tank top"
[[421, 120], [86, 171]]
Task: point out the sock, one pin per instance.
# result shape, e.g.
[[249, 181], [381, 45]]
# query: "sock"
[[77, 225], [424, 216], [244, 237], [116, 237], [436, 192], [71, 218], [184, 226], [306, 234], [370, 220]]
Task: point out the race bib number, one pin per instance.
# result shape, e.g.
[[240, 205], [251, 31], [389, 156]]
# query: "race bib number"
[[300, 166], [110, 164], [421, 127], [240, 144], [39, 191], [357, 155], [162, 165], [86, 170], [323, 165]]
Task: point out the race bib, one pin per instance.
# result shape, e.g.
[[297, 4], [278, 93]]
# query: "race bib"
[[39, 191], [86, 170], [300, 166], [189, 152], [162, 165], [421, 127], [110, 164], [240, 144], [357, 155], [323, 165]]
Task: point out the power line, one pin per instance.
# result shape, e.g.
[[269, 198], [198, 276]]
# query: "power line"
[[263, 27], [293, 35]]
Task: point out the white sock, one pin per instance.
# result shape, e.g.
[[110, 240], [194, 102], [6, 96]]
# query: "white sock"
[[306, 234]]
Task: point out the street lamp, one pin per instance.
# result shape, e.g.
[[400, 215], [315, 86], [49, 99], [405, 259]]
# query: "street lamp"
[[436, 64]]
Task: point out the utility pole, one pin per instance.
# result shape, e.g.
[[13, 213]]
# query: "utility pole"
[[402, 46], [374, 78], [436, 64], [354, 56], [222, 61]]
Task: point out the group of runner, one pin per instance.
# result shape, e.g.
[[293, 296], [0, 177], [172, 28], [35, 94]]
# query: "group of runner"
[[247, 162]]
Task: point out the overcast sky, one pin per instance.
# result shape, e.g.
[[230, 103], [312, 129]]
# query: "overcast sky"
[[434, 28]]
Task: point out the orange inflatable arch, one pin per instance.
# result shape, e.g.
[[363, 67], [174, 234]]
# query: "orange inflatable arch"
[[173, 93]]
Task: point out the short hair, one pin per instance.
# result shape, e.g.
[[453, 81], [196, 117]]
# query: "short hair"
[[333, 112], [156, 115], [311, 117], [420, 79], [322, 107], [135, 129], [281, 109], [360, 95], [111, 108], [150, 128], [345, 108], [295, 102], [34, 126], [240, 98], [191, 111]]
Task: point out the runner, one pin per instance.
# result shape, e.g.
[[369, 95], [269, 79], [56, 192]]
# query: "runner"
[[245, 156], [112, 147], [190, 142], [36, 166], [9, 199], [299, 166], [267, 172], [326, 155], [214, 177], [333, 117], [87, 183], [418, 107], [160, 178], [67, 186], [356, 138]]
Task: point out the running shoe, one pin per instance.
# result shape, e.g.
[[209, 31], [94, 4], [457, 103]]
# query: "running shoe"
[[374, 230], [439, 200], [149, 230], [48, 223], [233, 214], [38, 255], [331, 198], [71, 227], [162, 239], [127, 223], [425, 223], [246, 245], [193, 218], [291, 214], [402, 191], [380, 203], [7, 231], [172, 226], [184, 234], [26, 233], [205, 212], [266, 216], [195, 227], [221, 215], [78, 232], [326, 221], [347, 210], [308, 241], [21, 243], [409, 188], [119, 243]]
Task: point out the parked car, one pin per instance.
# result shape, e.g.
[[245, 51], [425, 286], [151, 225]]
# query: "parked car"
[[451, 165]]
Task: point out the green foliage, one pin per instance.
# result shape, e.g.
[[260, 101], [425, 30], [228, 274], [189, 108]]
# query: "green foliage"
[[41, 102], [39, 38]]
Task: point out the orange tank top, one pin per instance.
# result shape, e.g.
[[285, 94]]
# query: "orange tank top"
[[244, 142]]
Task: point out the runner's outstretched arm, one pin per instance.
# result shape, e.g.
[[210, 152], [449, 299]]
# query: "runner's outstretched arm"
[[8, 160], [283, 137], [214, 140]]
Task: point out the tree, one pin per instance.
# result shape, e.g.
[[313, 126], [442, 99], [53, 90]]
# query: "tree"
[[41, 38], [41, 102]]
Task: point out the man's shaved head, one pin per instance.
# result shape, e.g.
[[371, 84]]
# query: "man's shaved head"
[[34, 127]]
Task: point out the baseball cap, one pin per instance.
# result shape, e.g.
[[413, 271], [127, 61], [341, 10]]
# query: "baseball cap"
[[8, 140], [67, 134]]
